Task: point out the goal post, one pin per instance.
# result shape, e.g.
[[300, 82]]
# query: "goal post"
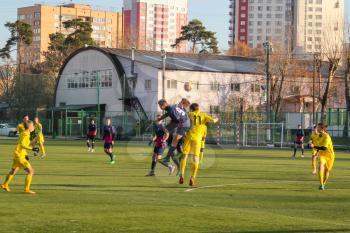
[[263, 134]]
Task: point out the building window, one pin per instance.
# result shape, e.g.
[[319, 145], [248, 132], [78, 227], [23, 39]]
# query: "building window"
[[106, 78], [172, 84], [214, 86], [21, 17], [36, 23], [235, 87], [214, 109], [255, 87], [148, 85], [37, 15]]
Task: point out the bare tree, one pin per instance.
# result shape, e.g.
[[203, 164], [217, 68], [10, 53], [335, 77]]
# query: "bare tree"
[[346, 62], [7, 82], [331, 50]]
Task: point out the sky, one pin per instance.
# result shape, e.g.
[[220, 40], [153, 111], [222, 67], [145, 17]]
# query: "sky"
[[213, 13]]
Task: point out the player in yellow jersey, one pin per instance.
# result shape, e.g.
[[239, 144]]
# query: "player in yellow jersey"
[[313, 140], [20, 159], [324, 146], [193, 140], [20, 127], [39, 136]]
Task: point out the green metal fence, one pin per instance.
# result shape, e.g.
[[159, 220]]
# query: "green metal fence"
[[67, 123]]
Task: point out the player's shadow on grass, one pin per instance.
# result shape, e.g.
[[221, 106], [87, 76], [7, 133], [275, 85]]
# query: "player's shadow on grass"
[[301, 231]]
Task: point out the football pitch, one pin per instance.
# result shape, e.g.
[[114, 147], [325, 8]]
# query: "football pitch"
[[237, 191]]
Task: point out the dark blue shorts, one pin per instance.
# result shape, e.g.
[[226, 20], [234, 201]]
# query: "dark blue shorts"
[[181, 130], [158, 150], [90, 137], [108, 145]]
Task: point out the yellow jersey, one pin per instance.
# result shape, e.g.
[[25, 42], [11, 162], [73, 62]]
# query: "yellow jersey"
[[313, 137], [325, 140], [198, 125], [38, 129], [20, 128], [23, 145]]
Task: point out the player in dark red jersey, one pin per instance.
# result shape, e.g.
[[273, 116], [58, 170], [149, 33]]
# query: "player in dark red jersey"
[[159, 140], [91, 135], [108, 136], [299, 141]]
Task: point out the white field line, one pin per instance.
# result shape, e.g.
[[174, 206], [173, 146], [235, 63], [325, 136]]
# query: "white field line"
[[237, 184]]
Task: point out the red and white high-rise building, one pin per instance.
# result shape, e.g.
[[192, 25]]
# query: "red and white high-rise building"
[[253, 22], [154, 24]]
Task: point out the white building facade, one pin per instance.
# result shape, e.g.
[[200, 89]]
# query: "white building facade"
[[94, 76], [319, 25], [305, 26]]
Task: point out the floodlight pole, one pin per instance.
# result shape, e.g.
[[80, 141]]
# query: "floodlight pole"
[[268, 49], [98, 102], [163, 56], [316, 71]]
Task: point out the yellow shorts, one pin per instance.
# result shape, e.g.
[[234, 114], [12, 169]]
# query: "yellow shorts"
[[314, 152], [39, 139], [328, 161], [21, 163], [192, 147]]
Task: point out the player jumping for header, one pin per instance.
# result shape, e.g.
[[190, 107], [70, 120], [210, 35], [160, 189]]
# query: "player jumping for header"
[[193, 141], [178, 127]]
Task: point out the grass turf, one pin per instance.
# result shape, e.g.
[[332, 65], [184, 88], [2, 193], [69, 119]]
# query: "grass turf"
[[248, 191]]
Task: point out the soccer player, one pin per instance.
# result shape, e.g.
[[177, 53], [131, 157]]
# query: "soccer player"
[[159, 140], [20, 159], [108, 136], [20, 127], [299, 141], [324, 146], [91, 135], [178, 127], [313, 140], [193, 141], [39, 136]]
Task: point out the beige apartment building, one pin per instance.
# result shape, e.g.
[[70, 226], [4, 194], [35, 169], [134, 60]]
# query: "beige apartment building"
[[107, 26]]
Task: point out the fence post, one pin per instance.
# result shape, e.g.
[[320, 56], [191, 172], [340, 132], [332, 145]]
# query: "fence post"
[[218, 134], [282, 135]]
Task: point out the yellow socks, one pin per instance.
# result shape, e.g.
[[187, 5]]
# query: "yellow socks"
[[194, 169], [28, 182], [325, 178], [321, 177], [8, 180], [183, 164], [313, 165], [42, 149]]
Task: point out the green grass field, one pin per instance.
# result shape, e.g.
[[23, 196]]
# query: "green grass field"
[[238, 191]]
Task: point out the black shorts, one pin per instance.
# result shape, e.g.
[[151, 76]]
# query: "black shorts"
[[90, 137], [298, 143], [158, 150], [108, 145]]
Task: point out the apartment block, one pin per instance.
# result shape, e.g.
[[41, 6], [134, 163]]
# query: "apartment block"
[[154, 24], [46, 19]]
